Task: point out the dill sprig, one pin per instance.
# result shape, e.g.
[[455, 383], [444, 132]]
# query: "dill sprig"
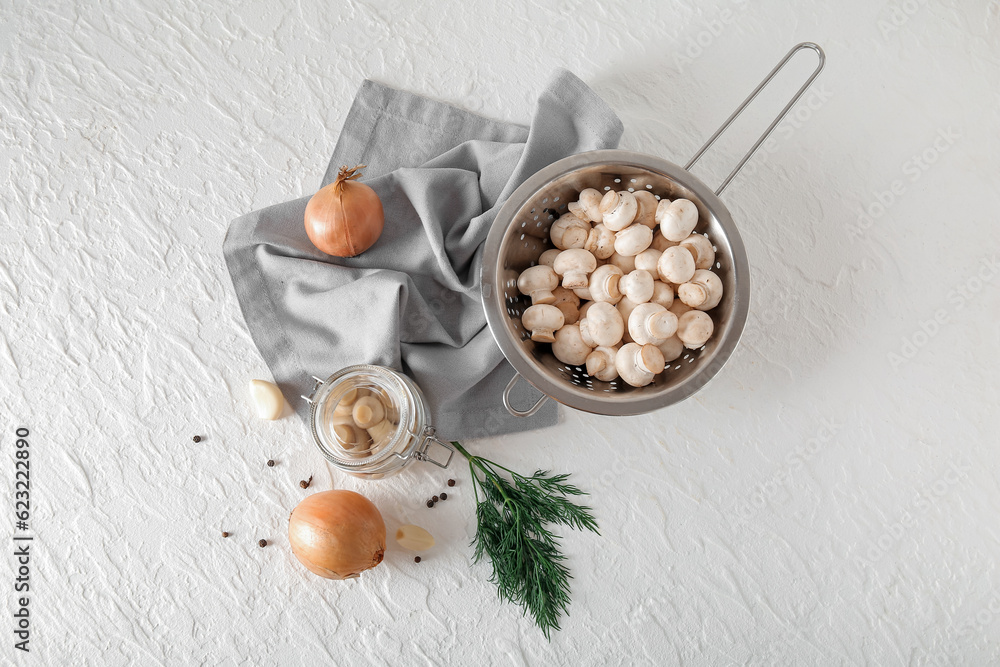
[[512, 517]]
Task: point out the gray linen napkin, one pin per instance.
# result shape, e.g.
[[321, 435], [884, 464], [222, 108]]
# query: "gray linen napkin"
[[412, 301]]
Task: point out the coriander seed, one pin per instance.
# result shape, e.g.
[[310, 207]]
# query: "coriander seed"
[[225, 534], [305, 483], [197, 438], [270, 463]]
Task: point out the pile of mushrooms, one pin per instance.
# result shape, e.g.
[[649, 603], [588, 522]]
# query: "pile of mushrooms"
[[614, 295], [364, 422]]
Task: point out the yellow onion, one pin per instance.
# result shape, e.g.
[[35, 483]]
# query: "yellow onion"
[[337, 534], [345, 218]]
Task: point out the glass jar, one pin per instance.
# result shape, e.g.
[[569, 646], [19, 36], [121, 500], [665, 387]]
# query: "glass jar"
[[371, 422]]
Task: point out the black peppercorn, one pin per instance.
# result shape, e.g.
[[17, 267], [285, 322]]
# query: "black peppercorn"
[[270, 463], [430, 503], [262, 543], [451, 482], [435, 499], [225, 534], [444, 496], [416, 559], [305, 483], [197, 438]]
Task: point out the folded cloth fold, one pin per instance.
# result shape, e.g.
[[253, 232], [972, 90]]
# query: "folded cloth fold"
[[412, 301]]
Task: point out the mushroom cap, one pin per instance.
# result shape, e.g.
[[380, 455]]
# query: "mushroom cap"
[[703, 291], [637, 286], [601, 363], [660, 243], [663, 294], [646, 213], [590, 200], [568, 303], [538, 282], [647, 259], [651, 323], [603, 325], [678, 308], [623, 262], [574, 265], [676, 265], [542, 321], [603, 284], [569, 231], [701, 249], [569, 347], [618, 209], [632, 240], [677, 219], [548, 257], [694, 328], [600, 242], [671, 348], [368, 411]]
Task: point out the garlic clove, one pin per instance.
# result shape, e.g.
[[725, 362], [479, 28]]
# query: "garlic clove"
[[414, 538], [267, 398]]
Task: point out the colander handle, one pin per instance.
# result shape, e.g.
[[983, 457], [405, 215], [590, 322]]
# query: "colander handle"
[[748, 100], [514, 411]]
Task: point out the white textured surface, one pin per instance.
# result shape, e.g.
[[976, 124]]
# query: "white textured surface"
[[804, 508]]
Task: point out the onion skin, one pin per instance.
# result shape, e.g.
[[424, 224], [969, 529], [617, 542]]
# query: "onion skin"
[[346, 217], [337, 534]]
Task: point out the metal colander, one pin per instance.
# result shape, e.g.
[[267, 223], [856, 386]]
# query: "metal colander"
[[520, 234]]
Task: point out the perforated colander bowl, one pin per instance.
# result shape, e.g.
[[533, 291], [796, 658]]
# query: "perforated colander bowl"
[[520, 234]]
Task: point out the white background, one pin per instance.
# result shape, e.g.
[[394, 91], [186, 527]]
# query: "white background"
[[831, 497]]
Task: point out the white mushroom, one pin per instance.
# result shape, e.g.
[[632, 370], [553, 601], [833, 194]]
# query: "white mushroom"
[[651, 323], [603, 325], [701, 249], [548, 257], [569, 347], [583, 310], [647, 259], [381, 434], [601, 363], [623, 262], [368, 411], [646, 213], [604, 284], [538, 283], [676, 265], [568, 303], [601, 242], [345, 406], [583, 293], [660, 243], [637, 286], [671, 348], [569, 231], [574, 265], [633, 239], [351, 437], [588, 207], [542, 321], [677, 219], [694, 328], [618, 209], [663, 294], [703, 291], [638, 364]]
